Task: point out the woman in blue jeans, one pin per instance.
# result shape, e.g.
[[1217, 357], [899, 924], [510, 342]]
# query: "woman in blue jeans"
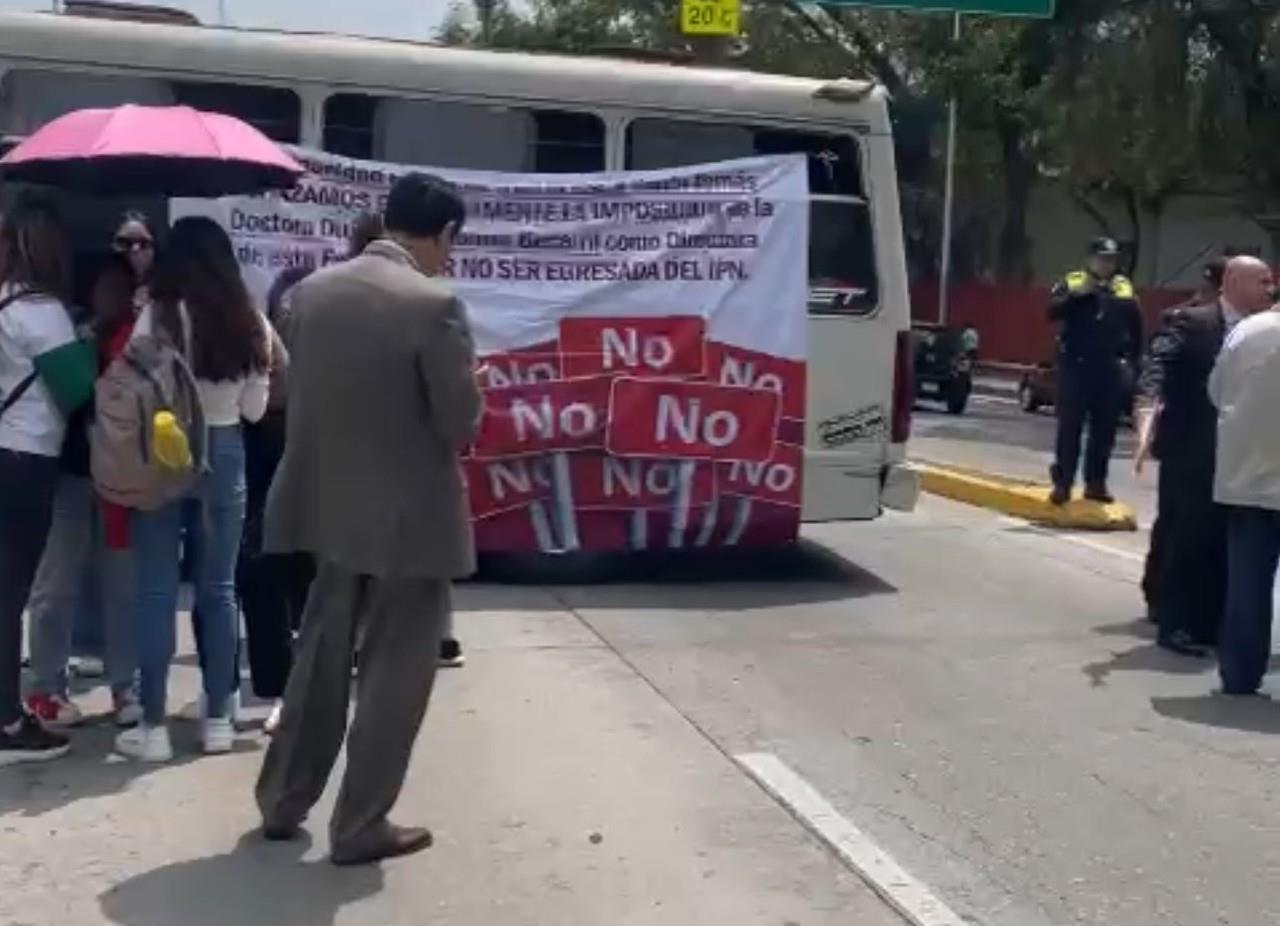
[[199, 301]]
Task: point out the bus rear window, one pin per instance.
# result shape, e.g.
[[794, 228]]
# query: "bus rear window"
[[842, 267]]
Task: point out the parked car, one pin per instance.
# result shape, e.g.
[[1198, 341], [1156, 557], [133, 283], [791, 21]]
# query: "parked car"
[[1038, 388], [944, 363]]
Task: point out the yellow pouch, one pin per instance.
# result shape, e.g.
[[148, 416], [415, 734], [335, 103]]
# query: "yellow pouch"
[[169, 443]]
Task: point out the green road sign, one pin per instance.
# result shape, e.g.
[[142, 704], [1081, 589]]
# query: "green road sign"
[[1042, 8]]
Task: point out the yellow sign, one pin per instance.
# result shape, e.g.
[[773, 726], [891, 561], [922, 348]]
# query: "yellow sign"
[[710, 17]]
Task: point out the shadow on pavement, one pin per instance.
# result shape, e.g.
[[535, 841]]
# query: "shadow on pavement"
[[1248, 715], [255, 884], [1145, 658], [725, 579], [92, 770]]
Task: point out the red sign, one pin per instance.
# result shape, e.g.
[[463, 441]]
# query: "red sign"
[[776, 480], [699, 421], [501, 485], [535, 364], [509, 532], [543, 417], [601, 481], [737, 366], [670, 346]]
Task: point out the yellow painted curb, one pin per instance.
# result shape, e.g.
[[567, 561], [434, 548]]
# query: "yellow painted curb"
[[1021, 498]]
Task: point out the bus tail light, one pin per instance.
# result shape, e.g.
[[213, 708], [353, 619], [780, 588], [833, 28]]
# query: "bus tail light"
[[904, 388]]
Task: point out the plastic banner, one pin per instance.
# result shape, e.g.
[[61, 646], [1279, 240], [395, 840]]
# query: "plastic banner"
[[642, 336]]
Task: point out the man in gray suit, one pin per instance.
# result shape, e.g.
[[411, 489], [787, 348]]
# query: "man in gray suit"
[[382, 398]]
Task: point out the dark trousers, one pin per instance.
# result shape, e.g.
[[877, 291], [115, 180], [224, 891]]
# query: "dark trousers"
[[1253, 552], [27, 486], [397, 621], [273, 593], [1153, 569], [1086, 396], [1192, 572], [272, 588]]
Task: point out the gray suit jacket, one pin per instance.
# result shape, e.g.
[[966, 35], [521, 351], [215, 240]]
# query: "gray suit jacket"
[[382, 397]]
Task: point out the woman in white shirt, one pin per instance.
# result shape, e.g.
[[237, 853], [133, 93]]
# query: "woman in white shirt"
[[199, 300], [35, 276]]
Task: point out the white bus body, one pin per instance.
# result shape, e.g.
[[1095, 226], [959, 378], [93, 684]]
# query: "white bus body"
[[448, 107]]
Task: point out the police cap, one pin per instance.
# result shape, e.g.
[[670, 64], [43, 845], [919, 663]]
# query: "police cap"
[[1104, 247]]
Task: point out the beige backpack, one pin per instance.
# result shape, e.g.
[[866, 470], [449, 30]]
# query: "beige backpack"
[[148, 440]]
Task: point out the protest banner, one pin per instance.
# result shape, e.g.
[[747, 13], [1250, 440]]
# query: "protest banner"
[[642, 337]]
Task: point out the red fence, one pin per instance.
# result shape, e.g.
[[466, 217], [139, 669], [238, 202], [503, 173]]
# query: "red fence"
[[1012, 321]]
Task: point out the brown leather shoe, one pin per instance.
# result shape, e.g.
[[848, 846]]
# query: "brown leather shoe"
[[392, 842]]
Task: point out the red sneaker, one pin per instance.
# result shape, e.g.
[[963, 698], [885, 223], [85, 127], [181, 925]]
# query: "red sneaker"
[[54, 711]]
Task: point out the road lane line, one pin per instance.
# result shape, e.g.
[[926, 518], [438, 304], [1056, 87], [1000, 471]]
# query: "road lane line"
[[909, 897], [1087, 543]]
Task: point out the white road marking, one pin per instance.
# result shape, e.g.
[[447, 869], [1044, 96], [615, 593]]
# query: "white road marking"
[[909, 897], [1086, 542]]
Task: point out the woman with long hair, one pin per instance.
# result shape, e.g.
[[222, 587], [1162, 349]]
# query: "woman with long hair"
[[86, 566], [135, 242], [200, 304], [36, 395]]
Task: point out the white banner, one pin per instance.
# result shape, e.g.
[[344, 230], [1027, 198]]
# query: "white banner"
[[645, 336]]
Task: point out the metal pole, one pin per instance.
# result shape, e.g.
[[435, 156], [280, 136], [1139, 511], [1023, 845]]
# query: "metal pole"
[[222, 12], [948, 198]]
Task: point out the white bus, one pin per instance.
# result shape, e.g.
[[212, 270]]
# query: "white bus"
[[412, 103]]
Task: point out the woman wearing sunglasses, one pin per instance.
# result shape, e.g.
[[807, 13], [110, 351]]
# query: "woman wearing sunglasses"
[[134, 240]]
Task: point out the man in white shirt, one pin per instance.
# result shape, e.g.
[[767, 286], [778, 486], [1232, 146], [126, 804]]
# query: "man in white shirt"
[[1245, 388]]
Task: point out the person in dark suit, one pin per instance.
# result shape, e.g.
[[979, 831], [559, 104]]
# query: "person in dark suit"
[[1192, 566], [1153, 571], [1101, 327], [382, 400]]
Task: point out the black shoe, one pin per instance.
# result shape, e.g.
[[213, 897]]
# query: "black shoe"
[[31, 742], [1059, 496], [451, 656], [1180, 642], [1099, 493], [281, 832], [393, 842]]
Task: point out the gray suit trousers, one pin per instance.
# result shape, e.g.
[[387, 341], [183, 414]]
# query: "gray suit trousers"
[[399, 623]]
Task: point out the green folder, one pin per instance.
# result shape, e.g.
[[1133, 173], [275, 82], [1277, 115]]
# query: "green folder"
[[69, 373]]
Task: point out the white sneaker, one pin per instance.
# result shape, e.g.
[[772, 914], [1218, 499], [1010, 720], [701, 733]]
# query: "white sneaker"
[[128, 710], [218, 735], [146, 744], [272, 723], [194, 711]]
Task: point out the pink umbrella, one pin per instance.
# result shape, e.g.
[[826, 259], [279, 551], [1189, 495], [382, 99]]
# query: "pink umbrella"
[[151, 150]]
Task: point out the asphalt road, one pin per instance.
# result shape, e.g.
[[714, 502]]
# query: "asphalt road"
[[979, 698]]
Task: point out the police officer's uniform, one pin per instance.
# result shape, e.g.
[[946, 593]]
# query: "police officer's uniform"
[[1101, 327]]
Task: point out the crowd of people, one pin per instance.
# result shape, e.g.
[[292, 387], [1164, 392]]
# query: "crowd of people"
[[1209, 393], [81, 565]]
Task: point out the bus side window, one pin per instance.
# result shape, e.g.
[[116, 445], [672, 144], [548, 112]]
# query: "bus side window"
[[273, 111], [439, 133], [842, 267], [30, 98]]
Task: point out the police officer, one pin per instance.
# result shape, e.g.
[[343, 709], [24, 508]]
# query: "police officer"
[[1101, 330]]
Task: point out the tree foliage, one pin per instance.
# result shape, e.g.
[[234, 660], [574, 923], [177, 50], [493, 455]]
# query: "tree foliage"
[[1126, 102]]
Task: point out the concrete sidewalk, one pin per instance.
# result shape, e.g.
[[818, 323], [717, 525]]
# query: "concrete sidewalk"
[[562, 788]]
